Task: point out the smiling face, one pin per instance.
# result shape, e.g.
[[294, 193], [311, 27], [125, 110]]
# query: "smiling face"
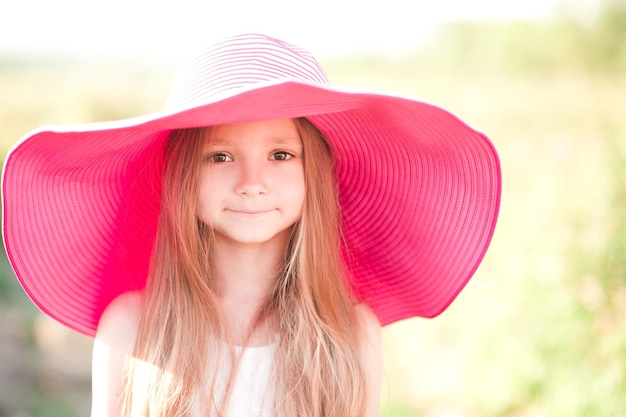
[[252, 181]]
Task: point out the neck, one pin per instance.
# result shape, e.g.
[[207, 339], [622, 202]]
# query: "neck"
[[243, 271], [246, 276]]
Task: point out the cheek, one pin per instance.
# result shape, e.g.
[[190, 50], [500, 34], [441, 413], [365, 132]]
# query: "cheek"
[[302, 195], [298, 191], [288, 186], [206, 198], [201, 208]]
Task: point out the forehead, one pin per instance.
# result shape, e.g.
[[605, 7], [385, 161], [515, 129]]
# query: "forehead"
[[273, 131]]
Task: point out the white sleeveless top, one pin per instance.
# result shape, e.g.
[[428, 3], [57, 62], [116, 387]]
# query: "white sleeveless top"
[[252, 391]]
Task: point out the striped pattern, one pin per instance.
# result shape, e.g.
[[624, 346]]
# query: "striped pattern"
[[419, 189], [239, 63]]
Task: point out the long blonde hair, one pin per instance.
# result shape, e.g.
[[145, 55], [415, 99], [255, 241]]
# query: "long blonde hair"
[[317, 369]]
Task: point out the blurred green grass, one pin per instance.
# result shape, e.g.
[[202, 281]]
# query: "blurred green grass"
[[541, 328]]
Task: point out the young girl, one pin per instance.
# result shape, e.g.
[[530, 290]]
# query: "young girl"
[[237, 253]]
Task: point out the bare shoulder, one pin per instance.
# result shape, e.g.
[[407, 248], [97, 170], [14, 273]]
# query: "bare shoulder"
[[114, 343], [372, 356], [119, 322], [369, 324], [126, 303], [369, 333]]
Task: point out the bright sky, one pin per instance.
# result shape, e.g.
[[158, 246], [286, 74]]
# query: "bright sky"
[[172, 28]]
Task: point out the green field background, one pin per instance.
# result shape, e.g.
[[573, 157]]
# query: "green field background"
[[541, 328]]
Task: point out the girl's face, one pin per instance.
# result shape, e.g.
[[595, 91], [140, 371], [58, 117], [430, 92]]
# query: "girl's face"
[[252, 181]]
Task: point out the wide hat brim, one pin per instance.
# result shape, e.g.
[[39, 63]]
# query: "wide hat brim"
[[419, 194]]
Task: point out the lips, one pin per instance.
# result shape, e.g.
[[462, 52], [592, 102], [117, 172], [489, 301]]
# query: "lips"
[[248, 213]]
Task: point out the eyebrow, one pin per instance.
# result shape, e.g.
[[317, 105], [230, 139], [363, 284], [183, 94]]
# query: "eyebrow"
[[273, 140], [285, 140]]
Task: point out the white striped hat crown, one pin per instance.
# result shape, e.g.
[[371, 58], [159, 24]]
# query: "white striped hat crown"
[[241, 63]]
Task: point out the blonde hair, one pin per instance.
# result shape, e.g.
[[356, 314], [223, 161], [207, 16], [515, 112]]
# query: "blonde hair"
[[317, 369]]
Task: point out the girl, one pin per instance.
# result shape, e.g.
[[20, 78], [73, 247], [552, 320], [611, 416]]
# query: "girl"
[[237, 253]]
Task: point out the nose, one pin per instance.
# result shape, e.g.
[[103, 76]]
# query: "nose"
[[251, 181]]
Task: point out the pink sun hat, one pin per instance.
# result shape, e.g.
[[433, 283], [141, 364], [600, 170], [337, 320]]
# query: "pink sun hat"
[[419, 189]]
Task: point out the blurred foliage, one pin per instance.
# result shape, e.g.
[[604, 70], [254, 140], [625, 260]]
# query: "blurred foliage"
[[527, 46], [541, 329]]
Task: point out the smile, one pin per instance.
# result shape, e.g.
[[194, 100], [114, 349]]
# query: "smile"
[[250, 214]]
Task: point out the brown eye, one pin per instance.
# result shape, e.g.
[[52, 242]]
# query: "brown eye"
[[219, 157], [281, 156]]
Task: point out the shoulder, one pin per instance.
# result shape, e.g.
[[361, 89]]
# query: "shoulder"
[[370, 339], [368, 323], [119, 322], [114, 343], [126, 303], [369, 334], [371, 356]]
